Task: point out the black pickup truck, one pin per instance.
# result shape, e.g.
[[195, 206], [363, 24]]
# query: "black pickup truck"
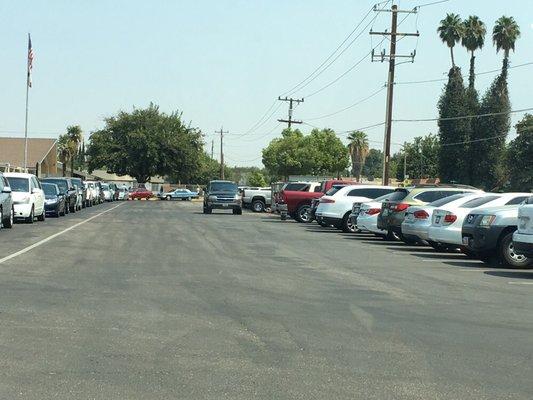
[[222, 195]]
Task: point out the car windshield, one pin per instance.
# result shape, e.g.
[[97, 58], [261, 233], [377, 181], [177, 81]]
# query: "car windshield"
[[49, 189], [479, 202], [223, 187], [19, 184], [62, 183], [105, 187], [446, 200], [334, 189]]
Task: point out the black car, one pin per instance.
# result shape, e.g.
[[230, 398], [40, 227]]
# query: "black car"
[[54, 200], [222, 195], [66, 187], [81, 190]]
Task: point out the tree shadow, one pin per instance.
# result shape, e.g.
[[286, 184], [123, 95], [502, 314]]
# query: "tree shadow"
[[512, 274]]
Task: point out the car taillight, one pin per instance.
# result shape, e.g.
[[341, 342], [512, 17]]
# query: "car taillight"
[[373, 211], [401, 207], [450, 218], [327, 201], [421, 214]]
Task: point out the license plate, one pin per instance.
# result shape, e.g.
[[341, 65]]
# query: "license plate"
[[465, 240], [224, 205], [437, 219]]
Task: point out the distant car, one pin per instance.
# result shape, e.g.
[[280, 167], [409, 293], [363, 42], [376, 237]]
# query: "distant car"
[[258, 199], [95, 196], [6, 204], [66, 186], [28, 196], [82, 191], [54, 200], [179, 194], [335, 206], [108, 192], [122, 193], [222, 195], [365, 216], [523, 237], [89, 190], [488, 235], [141, 193]]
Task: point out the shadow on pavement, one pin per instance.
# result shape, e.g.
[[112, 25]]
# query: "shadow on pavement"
[[468, 264], [512, 274], [451, 256], [382, 242], [414, 249]]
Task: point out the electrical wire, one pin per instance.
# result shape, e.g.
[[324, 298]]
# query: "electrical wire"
[[463, 117], [432, 3]]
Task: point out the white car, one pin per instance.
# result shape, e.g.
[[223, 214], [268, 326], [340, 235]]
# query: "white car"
[[94, 192], [90, 194], [335, 206], [418, 219], [447, 222], [523, 236], [28, 196], [108, 192], [367, 216]]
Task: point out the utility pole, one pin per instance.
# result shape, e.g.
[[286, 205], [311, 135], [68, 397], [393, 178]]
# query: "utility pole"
[[222, 132], [392, 56], [212, 147], [290, 121]]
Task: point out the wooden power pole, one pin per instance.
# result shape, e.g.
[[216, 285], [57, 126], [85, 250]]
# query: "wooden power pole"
[[392, 56], [222, 132], [290, 121]]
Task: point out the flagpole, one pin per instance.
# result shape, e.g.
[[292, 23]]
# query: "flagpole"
[[26, 120]]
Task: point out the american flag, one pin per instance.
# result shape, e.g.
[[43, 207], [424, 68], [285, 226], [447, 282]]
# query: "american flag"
[[30, 60]]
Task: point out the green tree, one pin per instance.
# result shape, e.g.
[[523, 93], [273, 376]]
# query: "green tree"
[[256, 178], [285, 156], [373, 167], [358, 147], [453, 161], [504, 36], [146, 143], [421, 158], [75, 138], [520, 156], [450, 32], [324, 153], [473, 39]]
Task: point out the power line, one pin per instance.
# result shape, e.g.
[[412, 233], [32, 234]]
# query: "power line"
[[432, 3], [266, 134], [312, 76], [350, 106], [463, 117]]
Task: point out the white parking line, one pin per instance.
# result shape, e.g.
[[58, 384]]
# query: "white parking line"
[[519, 283], [40, 242]]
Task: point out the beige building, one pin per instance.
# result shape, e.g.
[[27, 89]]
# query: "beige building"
[[42, 155]]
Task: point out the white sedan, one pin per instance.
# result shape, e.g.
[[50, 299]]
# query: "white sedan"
[[447, 222], [335, 206]]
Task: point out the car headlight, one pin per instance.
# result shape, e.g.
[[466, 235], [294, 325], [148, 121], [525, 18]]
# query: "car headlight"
[[237, 197], [487, 220], [212, 198], [51, 201]]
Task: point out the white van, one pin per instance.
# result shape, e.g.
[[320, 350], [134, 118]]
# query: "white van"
[[28, 196]]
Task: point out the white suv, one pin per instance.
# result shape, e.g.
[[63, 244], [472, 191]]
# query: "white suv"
[[335, 206], [523, 236], [28, 196]]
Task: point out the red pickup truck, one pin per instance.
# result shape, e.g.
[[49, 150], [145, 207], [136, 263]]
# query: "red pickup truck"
[[296, 203]]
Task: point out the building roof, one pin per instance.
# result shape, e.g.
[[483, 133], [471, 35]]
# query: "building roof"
[[12, 150], [106, 176]]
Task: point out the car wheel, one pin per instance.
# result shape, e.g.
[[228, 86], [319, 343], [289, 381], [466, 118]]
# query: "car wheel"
[[507, 255], [168, 198], [283, 216], [237, 211], [391, 236], [188, 199], [301, 213], [207, 210], [42, 217], [29, 220], [258, 206], [347, 224], [1, 218], [440, 246], [407, 240]]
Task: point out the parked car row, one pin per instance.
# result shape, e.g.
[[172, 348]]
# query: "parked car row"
[[24, 197], [493, 227]]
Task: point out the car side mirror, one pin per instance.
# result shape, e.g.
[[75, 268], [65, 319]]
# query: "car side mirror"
[[6, 189]]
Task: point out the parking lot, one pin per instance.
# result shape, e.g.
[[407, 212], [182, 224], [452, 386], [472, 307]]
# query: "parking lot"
[[155, 300]]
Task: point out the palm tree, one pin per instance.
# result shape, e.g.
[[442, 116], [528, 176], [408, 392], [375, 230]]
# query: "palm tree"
[[473, 39], [75, 139], [504, 35], [63, 151], [358, 147], [451, 31]]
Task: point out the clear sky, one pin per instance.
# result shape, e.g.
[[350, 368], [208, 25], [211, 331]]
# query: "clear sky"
[[224, 62]]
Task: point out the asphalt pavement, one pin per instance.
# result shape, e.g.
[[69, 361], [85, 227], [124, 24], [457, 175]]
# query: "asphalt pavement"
[[155, 300]]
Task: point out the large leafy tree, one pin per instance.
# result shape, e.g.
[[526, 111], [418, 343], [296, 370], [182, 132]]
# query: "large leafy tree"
[[520, 156], [453, 159], [256, 178], [421, 158], [450, 32], [146, 143], [285, 156], [504, 35], [358, 147], [373, 167], [473, 39]]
